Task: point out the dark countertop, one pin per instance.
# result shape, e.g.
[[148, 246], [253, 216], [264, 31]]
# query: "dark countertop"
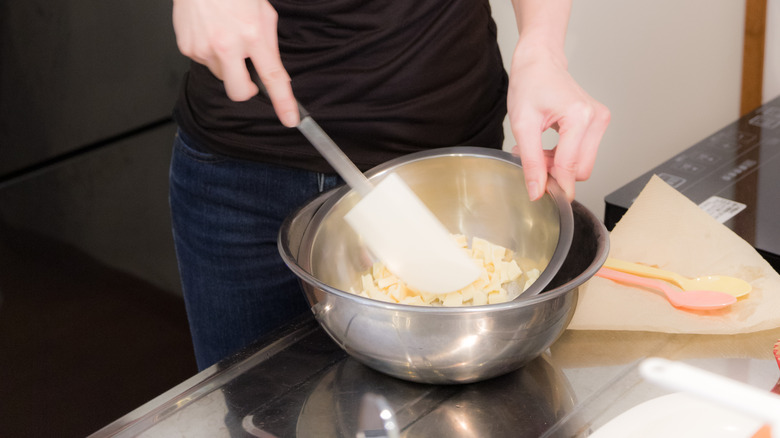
[[299, 383]]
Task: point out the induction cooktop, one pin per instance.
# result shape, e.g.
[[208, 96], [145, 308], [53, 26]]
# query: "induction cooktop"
[[734, 175]]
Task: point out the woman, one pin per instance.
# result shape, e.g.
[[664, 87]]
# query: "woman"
[[383, 78]]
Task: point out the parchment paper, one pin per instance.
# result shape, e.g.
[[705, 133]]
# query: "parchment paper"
[[665, 229]]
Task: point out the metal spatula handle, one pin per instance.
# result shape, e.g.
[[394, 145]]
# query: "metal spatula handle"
[[334, 155], [330, 151]]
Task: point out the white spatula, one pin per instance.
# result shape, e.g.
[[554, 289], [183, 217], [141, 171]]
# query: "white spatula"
[[727, 392], [396, 226]]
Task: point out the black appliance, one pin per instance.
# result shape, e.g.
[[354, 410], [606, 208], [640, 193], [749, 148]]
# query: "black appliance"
[[86, 93], [734, 175]]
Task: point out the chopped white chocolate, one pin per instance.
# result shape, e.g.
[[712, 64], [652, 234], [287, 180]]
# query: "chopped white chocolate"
[[497, 265], [453, 299], [497, 296]]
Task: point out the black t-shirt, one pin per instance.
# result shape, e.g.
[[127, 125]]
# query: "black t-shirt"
[[382, 77]]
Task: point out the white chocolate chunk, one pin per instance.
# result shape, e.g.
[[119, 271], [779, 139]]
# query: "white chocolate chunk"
[[498, 267]]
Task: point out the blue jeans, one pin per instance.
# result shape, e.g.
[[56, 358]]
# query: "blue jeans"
[[226, 218]]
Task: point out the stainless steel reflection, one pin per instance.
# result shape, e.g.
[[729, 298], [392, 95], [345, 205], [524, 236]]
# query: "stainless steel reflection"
[[522, 403], [437, 344], [376, 418]]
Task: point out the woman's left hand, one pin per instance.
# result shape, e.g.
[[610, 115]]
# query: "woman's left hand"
[[543, 95]]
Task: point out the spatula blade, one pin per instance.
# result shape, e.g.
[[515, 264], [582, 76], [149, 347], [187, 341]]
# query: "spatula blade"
[[400, 230]]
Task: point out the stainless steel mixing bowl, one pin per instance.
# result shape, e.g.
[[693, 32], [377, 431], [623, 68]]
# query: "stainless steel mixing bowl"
[[474, 191]]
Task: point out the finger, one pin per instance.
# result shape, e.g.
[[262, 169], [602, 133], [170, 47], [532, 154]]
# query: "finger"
[[277, 84], [529, 148], [264, 53], [565, 162], [238, 84], [590, 142]]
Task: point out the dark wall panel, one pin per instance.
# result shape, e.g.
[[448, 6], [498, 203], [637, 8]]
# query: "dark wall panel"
[[111, 203], [76, 72]]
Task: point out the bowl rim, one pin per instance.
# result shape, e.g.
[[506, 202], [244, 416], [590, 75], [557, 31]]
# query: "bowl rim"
[[328, 199]]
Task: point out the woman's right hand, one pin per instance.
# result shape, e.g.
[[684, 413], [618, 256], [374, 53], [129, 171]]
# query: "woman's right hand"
[[223, 34]]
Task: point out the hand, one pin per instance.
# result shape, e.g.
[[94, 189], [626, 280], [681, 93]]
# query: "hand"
[[543, 95], [223, 34]]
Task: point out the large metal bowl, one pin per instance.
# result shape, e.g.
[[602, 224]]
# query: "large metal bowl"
[[474, 191]]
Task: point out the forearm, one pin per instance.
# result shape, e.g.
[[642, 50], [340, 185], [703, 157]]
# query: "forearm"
[[543, 95], [542, 27]]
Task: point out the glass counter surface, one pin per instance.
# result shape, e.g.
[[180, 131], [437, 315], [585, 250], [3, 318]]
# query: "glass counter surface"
[[299, 383]]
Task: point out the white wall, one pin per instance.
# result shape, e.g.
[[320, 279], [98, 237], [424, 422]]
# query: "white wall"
[[669, 71]]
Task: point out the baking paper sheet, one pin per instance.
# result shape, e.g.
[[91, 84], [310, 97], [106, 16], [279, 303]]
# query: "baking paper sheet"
[[665, 229]]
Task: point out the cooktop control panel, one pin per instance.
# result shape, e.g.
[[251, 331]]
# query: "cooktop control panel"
[[734, 175]]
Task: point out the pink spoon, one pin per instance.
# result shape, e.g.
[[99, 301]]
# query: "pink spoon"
[[776, 351], [692, 299]]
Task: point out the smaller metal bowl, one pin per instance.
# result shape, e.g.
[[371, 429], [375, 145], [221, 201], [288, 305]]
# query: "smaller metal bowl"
[[477, 192]]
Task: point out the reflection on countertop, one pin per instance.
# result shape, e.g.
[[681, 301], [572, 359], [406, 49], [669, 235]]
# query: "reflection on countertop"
[[299, 383]]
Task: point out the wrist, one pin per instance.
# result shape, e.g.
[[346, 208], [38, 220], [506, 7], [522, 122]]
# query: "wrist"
[[530, 50]]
